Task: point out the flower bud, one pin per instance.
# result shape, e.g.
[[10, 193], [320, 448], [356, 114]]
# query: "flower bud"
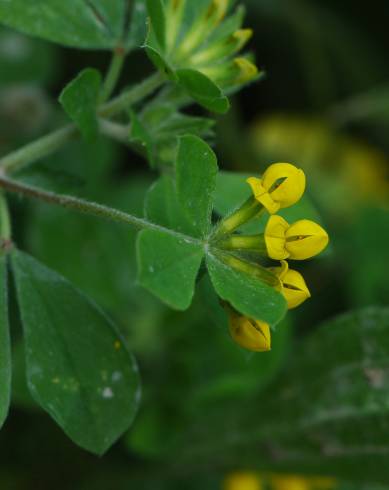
[[250, 334], [281, 186], [208, 40], [299, 241], [293, 286]]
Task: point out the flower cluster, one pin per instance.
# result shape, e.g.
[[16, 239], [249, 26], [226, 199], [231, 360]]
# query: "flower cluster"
[[281, 186], [201, 37]]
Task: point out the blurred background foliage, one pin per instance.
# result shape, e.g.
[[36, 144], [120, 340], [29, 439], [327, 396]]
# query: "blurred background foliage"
[[324, 105]]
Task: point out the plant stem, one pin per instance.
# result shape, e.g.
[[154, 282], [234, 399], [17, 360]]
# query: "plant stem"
[[256, 243], [249, 210], [133, 95], [113, 74], [38, 149], [5, 223], [52, 142], [116, 131], [88, 207]]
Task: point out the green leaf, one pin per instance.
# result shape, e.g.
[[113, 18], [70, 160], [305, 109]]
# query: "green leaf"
[[139, 133], [203, 90], [159, 125], [163, 208], [249, 295], [79, 99], [196, 171], [156, 11], [92, 24], [5, 346], [78, 368], [168, 266]]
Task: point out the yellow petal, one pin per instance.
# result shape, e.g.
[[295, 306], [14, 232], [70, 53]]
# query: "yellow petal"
[[250, 334], [281, 271], [275, 237], [294, 289], [305, 239], [285, 183], [262, 196]]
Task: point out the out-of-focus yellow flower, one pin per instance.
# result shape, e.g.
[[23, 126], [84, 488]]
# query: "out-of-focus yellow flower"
[[281, 186], [299, 241], [294, 288], [250, 334], [290, 483], [243, 481], [293, 482], [338, 165]]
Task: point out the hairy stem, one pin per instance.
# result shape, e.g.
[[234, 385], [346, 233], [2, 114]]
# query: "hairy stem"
[[87, 207], [38, 149], [132, 96], [54, 141], [255, 243]]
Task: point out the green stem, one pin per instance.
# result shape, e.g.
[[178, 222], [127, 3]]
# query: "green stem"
[[255, 243], [113, 74], [132, 96], [54, 141], [88, 207], [5, 222], [38, 149], [249, 210]]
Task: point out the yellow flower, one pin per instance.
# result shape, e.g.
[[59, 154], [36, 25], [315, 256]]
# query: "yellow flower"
[[250, 334], [299, 241], [290, 483], [281, 186], [242, 481], [294, 288]]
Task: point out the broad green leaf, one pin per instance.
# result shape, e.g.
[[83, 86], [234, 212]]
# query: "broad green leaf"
[[203, 90], [5, 346], [156, 12], [92, 24], [168, 266], [196, 171], [249, 295], [163, 208], [79, 99], [78, 368]]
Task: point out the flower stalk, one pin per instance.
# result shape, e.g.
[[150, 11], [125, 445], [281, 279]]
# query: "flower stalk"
[[255, 243], [249, 210]]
